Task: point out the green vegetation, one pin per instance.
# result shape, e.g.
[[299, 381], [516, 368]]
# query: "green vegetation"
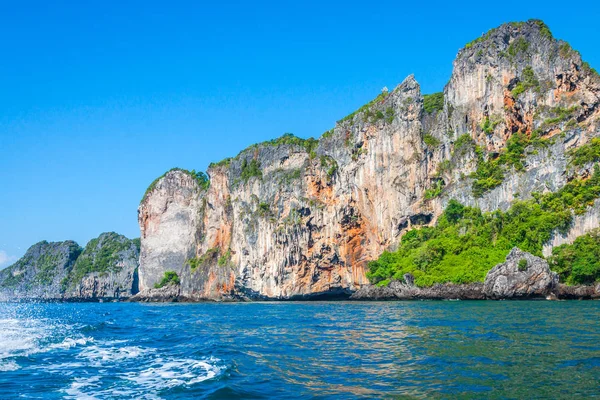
[[431, 141], [224, 259], [327, 134], [170, 278], [489, 125], [528, 81], [137, 243], [436, 190], [250, 169], [200, 177], [519, 45], [366, 108], [264, 209], [467, 243], [100, 255], [14, 275], [522, 264], [329, 163], [310, 144], [205, 258], [288, 176], [566, 51], [490, 172], [588, 153], [462, 144], [389, 115], [223, 163], [560, 114], [578, 263], [46, 266], [544, 30], [433, 102]]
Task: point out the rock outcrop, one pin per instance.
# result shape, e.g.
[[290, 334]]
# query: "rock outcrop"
[[397, 290], [40, 272], [105, 270], [522, 275], [295, 218]]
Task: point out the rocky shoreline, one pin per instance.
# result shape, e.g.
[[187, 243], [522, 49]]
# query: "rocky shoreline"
[[521, 276]]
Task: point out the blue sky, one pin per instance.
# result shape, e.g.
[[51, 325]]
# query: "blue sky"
[[98, 98]]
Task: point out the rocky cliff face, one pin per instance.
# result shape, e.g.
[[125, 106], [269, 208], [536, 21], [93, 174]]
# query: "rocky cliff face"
[[39, 273], [106, 269], [292, 218]]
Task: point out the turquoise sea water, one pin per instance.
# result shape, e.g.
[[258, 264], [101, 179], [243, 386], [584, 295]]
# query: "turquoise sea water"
[[343, 350]]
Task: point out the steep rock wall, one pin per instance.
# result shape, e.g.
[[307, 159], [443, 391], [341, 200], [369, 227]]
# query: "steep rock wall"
[[288, 219]]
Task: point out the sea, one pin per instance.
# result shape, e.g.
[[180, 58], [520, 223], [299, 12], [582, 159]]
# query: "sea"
[[301, 350]]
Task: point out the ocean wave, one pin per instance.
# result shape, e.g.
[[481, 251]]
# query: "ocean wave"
[[6, 366], [68, 343], [21, 337], [175, 372], [99, 355]]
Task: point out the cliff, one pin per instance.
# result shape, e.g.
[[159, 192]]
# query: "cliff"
[[106, 269], [294, 218]]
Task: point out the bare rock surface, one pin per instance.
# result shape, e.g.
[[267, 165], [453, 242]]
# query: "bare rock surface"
[[522, 275]]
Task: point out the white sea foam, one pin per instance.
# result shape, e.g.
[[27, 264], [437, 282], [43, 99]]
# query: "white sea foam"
[[21, 337], [163, 374], [152, 375], [99, 355], [78, 388], [67, 343], [6, 366]]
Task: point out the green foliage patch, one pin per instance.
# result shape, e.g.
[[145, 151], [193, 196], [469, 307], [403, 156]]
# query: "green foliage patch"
[[200, 177], [225, 258], [430, 140], [366, 108], [519, 45], [330, 165], [490, 172], [169, 278], [522, 264], [250, 169], [579, 262], [100, 256], [205, 258], [528, 81], [589, 152], [433, 102], [466, 243]]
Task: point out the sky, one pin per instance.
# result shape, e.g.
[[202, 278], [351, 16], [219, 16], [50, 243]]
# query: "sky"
[[99, 98]]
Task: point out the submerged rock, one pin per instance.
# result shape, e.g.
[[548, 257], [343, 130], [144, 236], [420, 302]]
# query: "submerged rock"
[[521, 275]]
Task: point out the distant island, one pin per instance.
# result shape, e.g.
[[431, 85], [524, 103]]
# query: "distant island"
[[487, 190]]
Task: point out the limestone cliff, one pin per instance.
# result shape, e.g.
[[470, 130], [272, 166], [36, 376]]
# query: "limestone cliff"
[[294, 218], [39, 273], [106, 269]]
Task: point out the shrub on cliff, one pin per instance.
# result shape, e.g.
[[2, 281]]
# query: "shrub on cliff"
[[169, 278], [433, 102]]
